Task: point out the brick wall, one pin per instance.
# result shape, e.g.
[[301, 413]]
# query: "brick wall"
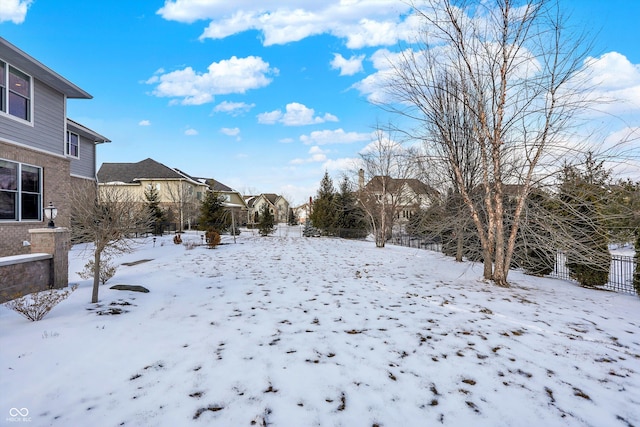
[[25, 277], [56, 188]]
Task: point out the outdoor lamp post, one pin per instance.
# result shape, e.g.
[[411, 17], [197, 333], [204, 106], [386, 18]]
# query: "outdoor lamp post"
[[50, 212]]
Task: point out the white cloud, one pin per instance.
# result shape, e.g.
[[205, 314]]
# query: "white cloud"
[[190, 132], [337, 136], [14, 10], [233, 108], [295, 115], [342, 165], [230, 131], [347, 67], [316, 155], [144, 123], [616, 82], [374, 86], [362, 23], [234, 75], [270, 118]]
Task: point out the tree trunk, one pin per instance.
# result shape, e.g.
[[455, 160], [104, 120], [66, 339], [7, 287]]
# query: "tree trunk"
[[459, 243], [96, 275]]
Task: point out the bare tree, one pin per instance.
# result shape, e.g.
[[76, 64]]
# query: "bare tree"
[[386, 165], [500, 75], [185, 202], [108, 218]]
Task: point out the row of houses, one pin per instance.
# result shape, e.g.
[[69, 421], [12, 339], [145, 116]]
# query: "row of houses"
[[181, 193], [45, 156]]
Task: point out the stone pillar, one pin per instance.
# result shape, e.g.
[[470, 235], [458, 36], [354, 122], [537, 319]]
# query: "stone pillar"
[[54, 241]]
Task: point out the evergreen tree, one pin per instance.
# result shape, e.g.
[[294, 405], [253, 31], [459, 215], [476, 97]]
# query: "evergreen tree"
[[152, 197], [293, 218], [323, 214], [213, 214], [533, 251], [266, 221], [350, 221], [583, 194]]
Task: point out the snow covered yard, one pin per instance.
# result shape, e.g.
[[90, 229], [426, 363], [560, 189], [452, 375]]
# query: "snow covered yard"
[[291, 331]]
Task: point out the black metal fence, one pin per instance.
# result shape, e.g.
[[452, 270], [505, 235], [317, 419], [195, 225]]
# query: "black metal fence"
[[620, 272], [416, 242]]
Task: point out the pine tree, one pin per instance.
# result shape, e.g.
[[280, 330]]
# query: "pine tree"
[[293, 218], [152, 197], [350, 219], [323, 214], [583, 194], [266, 221], [213, 214]]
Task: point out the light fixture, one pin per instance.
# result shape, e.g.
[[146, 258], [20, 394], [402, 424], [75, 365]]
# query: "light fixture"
[[50, 212]]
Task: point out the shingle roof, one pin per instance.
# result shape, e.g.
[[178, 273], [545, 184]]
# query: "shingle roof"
[[130, 172], [215, 185], [393, 184]]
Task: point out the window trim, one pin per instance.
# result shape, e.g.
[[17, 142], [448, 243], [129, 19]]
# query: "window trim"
[[67, 145], [4, 102], [19, 192]]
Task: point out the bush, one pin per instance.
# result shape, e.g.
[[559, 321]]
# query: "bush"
[[190, 245], [36, 305], [213, 238], [588, 276], [107, 270], [538, 262]]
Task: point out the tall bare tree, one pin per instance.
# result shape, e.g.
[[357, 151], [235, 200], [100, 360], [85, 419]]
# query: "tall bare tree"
[[108, 218], [501, 75], [185, 202], [386, 165]]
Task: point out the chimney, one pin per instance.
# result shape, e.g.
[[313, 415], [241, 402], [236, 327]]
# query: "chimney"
[[361, 179]]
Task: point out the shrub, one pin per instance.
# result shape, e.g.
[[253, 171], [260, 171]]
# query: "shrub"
[[177, 239], [213, 238], [36, 305], [190, 245], [107, 270]]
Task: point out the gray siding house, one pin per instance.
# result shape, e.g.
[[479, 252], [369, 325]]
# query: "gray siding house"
[[43, 154]]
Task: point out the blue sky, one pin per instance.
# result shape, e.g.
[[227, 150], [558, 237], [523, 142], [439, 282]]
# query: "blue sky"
[[262, 103]]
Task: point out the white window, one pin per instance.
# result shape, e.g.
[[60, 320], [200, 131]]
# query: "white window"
[[15, 92], [72, 147], [20, 192]]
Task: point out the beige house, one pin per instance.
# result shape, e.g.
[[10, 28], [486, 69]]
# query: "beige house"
[[408, 196], [278, 206], [179, 193]]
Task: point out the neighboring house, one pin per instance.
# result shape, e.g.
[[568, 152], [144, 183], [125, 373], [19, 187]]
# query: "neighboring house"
[[302, 212], [43, 154], [232, 199], [278, 206], [178, 192], [407, 195]]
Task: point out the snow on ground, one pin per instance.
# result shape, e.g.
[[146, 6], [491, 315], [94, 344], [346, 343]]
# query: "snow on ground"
[[292, 331]]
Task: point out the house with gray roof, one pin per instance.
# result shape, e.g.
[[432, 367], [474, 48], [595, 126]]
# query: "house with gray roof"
[[277, 205], [179, 193]]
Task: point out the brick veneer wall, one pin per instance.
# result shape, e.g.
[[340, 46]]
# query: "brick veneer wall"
[[25, 277], [56, 188]]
